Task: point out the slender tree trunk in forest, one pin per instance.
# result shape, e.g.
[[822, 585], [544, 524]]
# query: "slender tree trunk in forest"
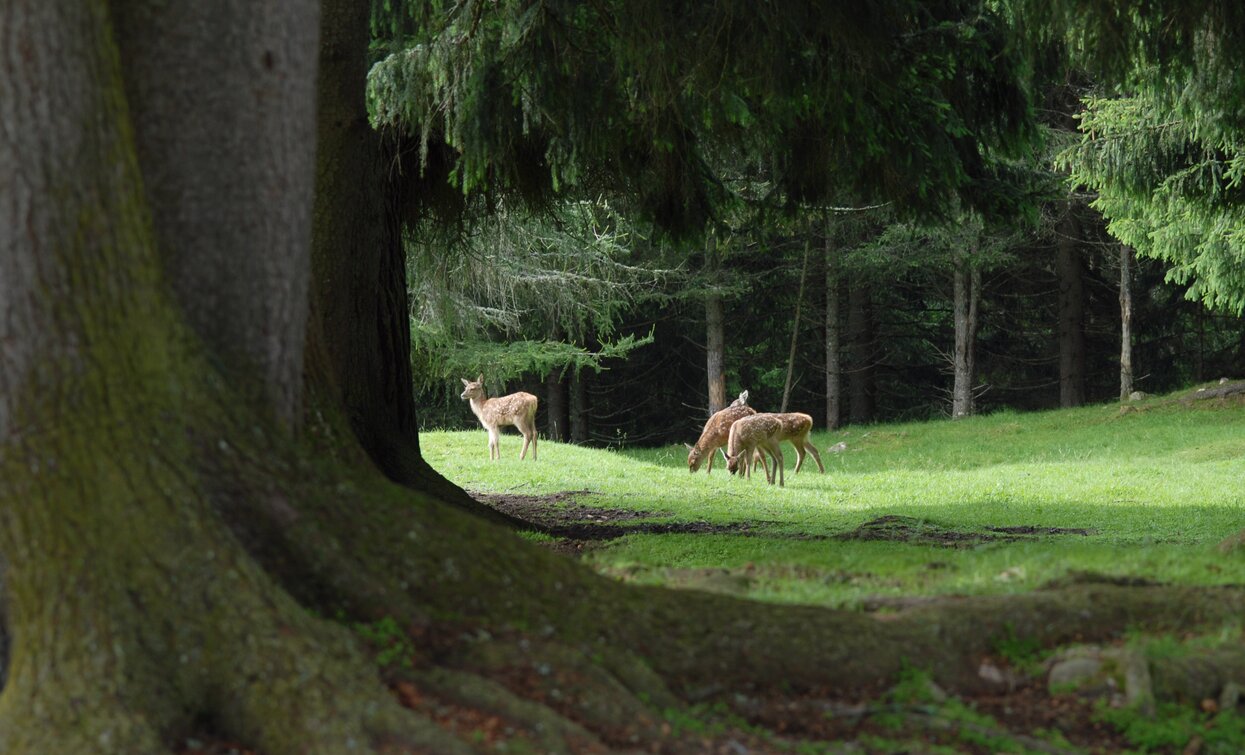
[[834, 365], [860, 344], [715, 334], [1071, 312], [1126, 322], [967, 291], [795, 329], [579, 408], [557, 415]]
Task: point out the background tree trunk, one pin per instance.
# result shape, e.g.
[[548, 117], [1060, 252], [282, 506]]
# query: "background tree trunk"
[[860, 344], [579, 408], [795, 329], [557, 416], [1071, 312], [1126, 322], [967, 286], [834, 366], [715, 352]]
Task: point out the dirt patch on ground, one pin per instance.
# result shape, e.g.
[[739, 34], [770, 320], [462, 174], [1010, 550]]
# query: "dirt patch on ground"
[[580, 526], [908, 529]]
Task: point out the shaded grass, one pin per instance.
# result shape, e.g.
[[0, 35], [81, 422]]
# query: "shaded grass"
[[1156, 490]]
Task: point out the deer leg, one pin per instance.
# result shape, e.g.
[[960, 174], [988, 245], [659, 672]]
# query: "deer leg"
[[799, 454], [712, 454], [816, 456], [494, 444], [757, 454], [778, 464]]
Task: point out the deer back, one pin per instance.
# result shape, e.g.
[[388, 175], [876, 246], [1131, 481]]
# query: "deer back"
[[717, 429], [795, 424]]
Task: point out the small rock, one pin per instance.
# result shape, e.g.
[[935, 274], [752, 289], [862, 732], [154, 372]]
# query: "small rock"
[[1223, 380], [1138, 396], [837, 448], [996, 677], [1230, 696], [1073, 672]]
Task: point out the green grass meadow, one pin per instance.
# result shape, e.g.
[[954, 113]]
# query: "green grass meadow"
[[1154, 490]]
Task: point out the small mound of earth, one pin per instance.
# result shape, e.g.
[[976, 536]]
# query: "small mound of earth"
[[560, 515], [908, 529]]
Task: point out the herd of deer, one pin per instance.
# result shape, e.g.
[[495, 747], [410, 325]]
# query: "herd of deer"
[[744, 435]]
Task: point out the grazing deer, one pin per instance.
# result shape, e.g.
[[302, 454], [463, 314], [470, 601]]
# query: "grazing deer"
[[763, 432], [757, 434], [518, 409], [715, 435]]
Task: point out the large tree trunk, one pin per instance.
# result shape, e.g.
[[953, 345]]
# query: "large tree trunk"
[[359, 333], [1071, 312], [967, 292], [133, 611], [860, 344], [834, 365], [1126, 322]]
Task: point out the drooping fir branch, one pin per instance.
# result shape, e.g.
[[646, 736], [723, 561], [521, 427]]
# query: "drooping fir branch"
[[1171, 187], [901, 100]]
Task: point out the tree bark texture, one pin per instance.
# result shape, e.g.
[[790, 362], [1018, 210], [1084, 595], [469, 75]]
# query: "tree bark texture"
[[233, 238], [967, 292], [861, 355], [1126, 322], [1072, 355], [834, 365]]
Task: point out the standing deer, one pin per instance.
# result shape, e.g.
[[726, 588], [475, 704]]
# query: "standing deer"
[[763, 432], [715, 435], [518, 409], [795, 428]]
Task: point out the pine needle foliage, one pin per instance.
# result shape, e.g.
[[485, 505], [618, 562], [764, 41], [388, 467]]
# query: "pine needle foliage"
[[885, 100], [1162, 141], [524, 293]]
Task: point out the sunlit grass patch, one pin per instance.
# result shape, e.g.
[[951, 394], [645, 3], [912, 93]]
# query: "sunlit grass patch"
[[1025, 499]]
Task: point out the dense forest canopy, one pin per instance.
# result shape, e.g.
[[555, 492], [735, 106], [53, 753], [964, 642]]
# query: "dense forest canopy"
[[1001, 111]]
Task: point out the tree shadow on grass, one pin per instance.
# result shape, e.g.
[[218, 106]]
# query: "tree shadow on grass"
[[561, 515]]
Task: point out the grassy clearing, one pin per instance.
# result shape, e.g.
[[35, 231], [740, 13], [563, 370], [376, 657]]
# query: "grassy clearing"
[[1153, 490]]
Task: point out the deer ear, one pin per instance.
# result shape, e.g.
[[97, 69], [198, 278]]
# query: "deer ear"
[[465, 381], [690, 447], [480, 378]]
